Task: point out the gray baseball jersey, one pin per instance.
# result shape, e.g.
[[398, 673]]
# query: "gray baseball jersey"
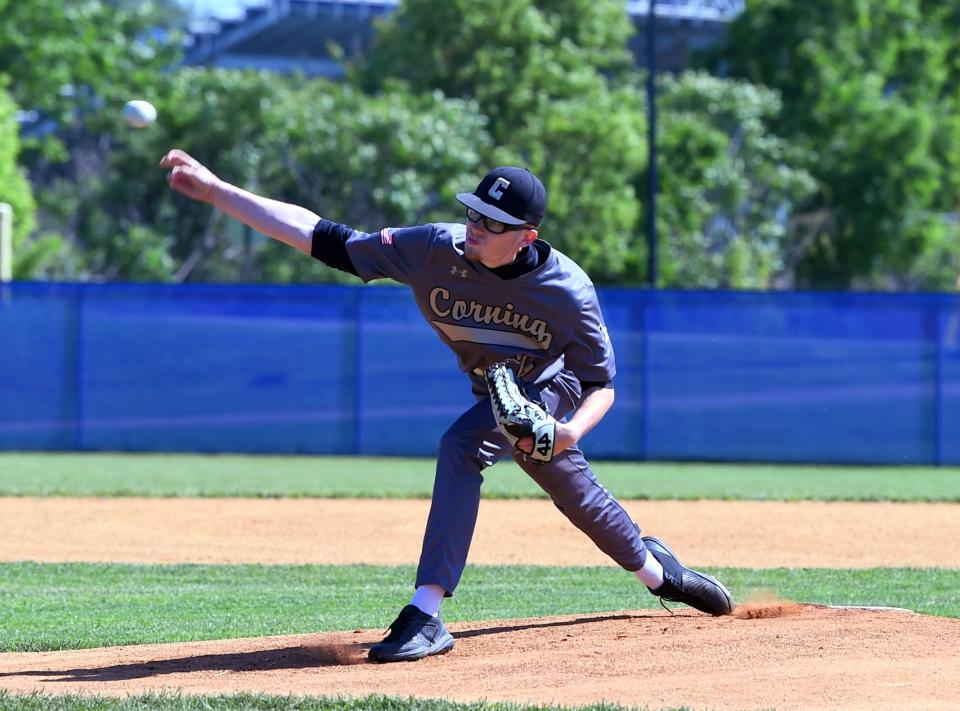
[[549, 318]]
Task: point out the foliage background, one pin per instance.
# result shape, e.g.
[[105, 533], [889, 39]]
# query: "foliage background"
[[817, 147]]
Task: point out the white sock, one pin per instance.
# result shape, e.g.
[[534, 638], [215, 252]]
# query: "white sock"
[[428, 598], [651, 574]]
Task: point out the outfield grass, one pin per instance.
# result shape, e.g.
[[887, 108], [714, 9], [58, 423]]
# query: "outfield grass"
[[77, 605], [44, 474]]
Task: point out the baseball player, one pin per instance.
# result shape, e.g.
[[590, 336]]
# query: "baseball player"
[[525, 325]]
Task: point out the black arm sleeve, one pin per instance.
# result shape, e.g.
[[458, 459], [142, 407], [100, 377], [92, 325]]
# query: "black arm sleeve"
[[590, 386], [330, 246]]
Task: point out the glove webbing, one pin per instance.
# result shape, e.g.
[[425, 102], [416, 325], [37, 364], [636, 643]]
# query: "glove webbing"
[[506, 395], [518, 417]]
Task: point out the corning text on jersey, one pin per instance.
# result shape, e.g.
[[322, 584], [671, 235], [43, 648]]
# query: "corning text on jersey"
[[460, 310]]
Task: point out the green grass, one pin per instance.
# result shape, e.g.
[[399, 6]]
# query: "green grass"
[[67, 606], [77, 605], [257, 702], [44, 474]]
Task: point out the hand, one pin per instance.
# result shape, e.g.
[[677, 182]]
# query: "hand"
[[565, 438], [189, 176]]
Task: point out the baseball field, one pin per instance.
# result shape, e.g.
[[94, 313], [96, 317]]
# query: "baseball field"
[[209, 582]]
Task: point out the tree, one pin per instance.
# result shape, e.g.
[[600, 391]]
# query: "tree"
[[370, 161], [67, 60], [513, 57], [367, 161], [869, 92], [727, 185], [548, 76], [72, 65], [587, 151], [14, 188]]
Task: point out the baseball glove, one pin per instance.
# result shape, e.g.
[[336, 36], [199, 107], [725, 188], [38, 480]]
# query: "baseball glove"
[[517, 416]]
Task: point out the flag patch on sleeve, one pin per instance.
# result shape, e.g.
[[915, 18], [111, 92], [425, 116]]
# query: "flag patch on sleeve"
[[386, 236]]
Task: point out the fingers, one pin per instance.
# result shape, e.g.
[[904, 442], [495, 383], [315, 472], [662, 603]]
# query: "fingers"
[[192, 182], [178, 180], [189, 176], [177, 157], [177, 175], [181, 180], [525, 444]]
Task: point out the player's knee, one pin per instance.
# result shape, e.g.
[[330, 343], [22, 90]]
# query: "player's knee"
[[451, 441], [570, 490], [461, 447]]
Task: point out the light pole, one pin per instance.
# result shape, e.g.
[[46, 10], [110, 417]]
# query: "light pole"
[[6, 242], [651, 144]]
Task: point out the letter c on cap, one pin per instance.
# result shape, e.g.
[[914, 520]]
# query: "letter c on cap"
[[496, 190]]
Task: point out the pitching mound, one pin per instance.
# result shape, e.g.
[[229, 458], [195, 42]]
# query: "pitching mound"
[[772, 654]]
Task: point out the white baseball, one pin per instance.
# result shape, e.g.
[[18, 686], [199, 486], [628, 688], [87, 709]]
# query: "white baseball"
[[139, 113]]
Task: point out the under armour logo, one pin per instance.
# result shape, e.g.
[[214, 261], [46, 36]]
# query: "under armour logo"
[[496, 190], [458, 271]]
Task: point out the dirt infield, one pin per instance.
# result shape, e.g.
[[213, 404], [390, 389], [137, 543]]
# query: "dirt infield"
[[772, 654], [340, 531]]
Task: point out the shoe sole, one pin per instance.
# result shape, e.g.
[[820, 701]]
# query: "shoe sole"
[[444, 646], [712, 579]]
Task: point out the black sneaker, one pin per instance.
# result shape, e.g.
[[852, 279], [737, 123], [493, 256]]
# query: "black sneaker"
[[680, 584], [413, 635]]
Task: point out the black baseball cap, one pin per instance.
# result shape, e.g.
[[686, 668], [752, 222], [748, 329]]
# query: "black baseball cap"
[[512, 195]]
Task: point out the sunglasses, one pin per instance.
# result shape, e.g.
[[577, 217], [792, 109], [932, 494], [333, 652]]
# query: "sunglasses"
[[495, 226]]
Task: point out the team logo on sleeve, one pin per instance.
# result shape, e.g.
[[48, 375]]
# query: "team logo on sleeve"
[[386, 236]]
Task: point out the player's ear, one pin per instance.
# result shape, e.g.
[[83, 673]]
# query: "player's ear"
[[529, 237]]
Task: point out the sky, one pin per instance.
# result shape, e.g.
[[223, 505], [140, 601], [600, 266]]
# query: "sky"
[[216, 8]]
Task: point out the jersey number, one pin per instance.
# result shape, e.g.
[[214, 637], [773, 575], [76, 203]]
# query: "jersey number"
[[544, 448]]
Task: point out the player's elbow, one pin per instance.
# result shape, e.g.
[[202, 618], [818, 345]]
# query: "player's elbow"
[[609, 396]]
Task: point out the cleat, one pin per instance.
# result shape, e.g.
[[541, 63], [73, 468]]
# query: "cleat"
[[413, 635], [681, 584]]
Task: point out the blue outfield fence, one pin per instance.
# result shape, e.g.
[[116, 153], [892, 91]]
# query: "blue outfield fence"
[[702, 375]]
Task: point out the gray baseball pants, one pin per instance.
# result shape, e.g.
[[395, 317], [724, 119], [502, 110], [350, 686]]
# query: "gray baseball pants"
[[474, 443]]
